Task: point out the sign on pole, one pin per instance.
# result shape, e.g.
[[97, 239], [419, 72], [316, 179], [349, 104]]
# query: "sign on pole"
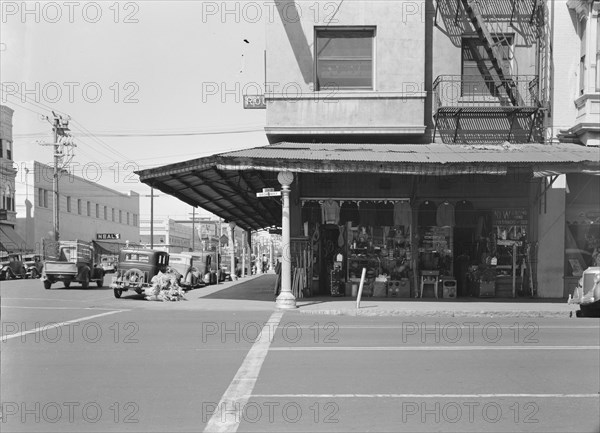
[[253, 102]]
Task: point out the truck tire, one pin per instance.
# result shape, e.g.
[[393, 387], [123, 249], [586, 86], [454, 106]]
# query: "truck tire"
[[85, 283], [100, 283], [118, 293], [47, 284], [67, 284]]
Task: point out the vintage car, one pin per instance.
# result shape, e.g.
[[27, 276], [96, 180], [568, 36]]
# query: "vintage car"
[[136, 268], [108, 263], [12, 267], [188, 268], [34, 265]]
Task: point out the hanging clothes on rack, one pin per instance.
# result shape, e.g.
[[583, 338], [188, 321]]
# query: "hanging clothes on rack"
[[402, 213], [368, 213], [427, 214], [385, 214], [311, 212], [464, 214], [330, 212], [349, 212], [445, 214]]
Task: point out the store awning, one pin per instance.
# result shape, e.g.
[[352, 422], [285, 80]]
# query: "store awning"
[[10, 241], [226, 184], [112, 247]]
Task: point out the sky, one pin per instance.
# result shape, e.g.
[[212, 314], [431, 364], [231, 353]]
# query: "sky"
[[145, 83]]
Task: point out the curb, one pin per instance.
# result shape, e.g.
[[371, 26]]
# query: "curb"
[[440, 313]]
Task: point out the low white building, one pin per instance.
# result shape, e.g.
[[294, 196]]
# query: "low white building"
[[88, 211]]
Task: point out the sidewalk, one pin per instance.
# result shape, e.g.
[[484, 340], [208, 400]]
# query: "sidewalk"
[[256, 293]]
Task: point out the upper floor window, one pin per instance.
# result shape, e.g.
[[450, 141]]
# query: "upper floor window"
[[68, 204], [5, 144], [120, 217], [112, 214], [88, 209], [478, 71], [344, 58], [97, 210], [79, 206], [582, 50], [105, 213]]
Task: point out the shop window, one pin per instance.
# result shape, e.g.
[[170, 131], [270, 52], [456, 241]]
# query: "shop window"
[[477, 68], [344, 58]]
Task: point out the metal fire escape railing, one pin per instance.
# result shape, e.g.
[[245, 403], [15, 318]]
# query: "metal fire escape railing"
[[472, 8]]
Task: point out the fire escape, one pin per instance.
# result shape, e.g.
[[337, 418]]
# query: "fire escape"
[[493, 103]]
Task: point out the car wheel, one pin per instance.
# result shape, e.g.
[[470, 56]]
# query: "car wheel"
[[118, 293], [9, 275], [67, 284], [47, 284], [35, 273]]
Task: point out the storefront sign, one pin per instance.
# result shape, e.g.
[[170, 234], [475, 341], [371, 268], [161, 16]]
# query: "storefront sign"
[[510, 223], [107, 236]]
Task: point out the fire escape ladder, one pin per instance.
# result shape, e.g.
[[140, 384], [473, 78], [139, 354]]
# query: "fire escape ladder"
[[472, 9]]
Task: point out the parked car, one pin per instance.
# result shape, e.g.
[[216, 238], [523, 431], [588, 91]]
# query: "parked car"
[[12, 267], [109, 263], [34, 265], [188, 268], [136, 268]]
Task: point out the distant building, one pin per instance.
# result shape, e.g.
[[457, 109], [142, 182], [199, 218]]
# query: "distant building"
[[169, 235], [88, 211], [10, 241]]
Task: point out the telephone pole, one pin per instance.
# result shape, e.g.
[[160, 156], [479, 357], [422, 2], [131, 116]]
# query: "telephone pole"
[[61, 139]]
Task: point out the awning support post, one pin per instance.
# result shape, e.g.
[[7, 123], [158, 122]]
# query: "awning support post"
[[286, 299]]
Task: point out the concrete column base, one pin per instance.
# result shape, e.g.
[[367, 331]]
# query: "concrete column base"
[[286, 301]]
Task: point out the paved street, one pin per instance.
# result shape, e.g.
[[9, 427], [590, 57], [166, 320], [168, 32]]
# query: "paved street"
[[81, 360]]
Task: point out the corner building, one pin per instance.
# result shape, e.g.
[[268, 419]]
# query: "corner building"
[[417, 136]]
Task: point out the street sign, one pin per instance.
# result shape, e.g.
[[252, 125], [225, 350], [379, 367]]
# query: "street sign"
[[269, 194], [107, 236], [253, 102]]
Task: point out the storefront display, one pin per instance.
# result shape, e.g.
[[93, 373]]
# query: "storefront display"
[[453, 249]]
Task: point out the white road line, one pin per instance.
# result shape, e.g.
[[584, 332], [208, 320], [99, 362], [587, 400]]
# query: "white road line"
[[49, 299], [449, 323], [62, 308], [429, 348], [426, 396], [228, 413], [56, 325]]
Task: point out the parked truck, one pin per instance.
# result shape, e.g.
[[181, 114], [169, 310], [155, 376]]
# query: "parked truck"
[[70, 261]]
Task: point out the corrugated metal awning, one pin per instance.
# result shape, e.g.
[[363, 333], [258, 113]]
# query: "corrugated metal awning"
[[226, 184], [10, 241]]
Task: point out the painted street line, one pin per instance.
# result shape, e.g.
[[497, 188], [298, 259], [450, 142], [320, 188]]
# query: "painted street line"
[[228, 414], [56, 325], [63, 308], [426, 395], [431, 348]]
